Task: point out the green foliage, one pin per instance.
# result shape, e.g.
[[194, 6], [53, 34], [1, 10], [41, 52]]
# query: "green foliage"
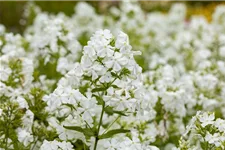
[[142, 62], [80, 145], [10, 120], [99, 99], [37, 106], [51, 67], [86, 131], [113, 132], [16, 78], [97, 90], [98, 93], [109, 110]]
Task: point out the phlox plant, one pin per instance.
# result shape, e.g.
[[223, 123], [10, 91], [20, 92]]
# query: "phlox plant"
[[125, 80], [103, 89]]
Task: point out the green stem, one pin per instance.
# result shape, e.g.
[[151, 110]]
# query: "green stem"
[[96, 142], [99, 126], [34, 144], [111, 124], [100, 121]]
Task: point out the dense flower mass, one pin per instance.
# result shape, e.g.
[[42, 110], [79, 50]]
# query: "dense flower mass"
[[128, 80]]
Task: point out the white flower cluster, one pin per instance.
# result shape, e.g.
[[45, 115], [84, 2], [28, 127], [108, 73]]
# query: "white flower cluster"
[[67, 83], [55, 145], [107, 79], [85, 21], [16, 75], [17, 109], [204, 132], [52, 39]]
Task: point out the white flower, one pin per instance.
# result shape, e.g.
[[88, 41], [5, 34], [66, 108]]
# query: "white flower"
[[117, 62], [111, 144], [55, 145], [65, 145], [133, 143], [86, 61], [90, 50], [84, 9], [4, 73], [24, 137], [28, 119], [213, 139], [153, 148], [87, 109], [22, 102], [220, 124], [106, 78], [206, 119], [105, 50], [222, 51], [207, 81], [1, 112], [2, 29], [122, 43], [49, 145], [105, 34]]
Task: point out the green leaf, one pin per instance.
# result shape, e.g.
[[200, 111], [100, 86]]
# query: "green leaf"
[[85, 131], [110, 111], [125, 72], [113, 132], [83, 89], [87, 78], [98, 90], [99, 99], [114, 86], [70, 106], [114, 74], [77, 128]]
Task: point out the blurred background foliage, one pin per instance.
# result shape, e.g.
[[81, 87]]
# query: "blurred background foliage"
[[12, 12]]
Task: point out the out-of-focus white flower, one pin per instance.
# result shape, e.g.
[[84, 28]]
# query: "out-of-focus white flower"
[[24, 137], [222, 51], [206, 119], [213, 139], [22, 102], [4, 73], [1, 112], [220, 124]]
